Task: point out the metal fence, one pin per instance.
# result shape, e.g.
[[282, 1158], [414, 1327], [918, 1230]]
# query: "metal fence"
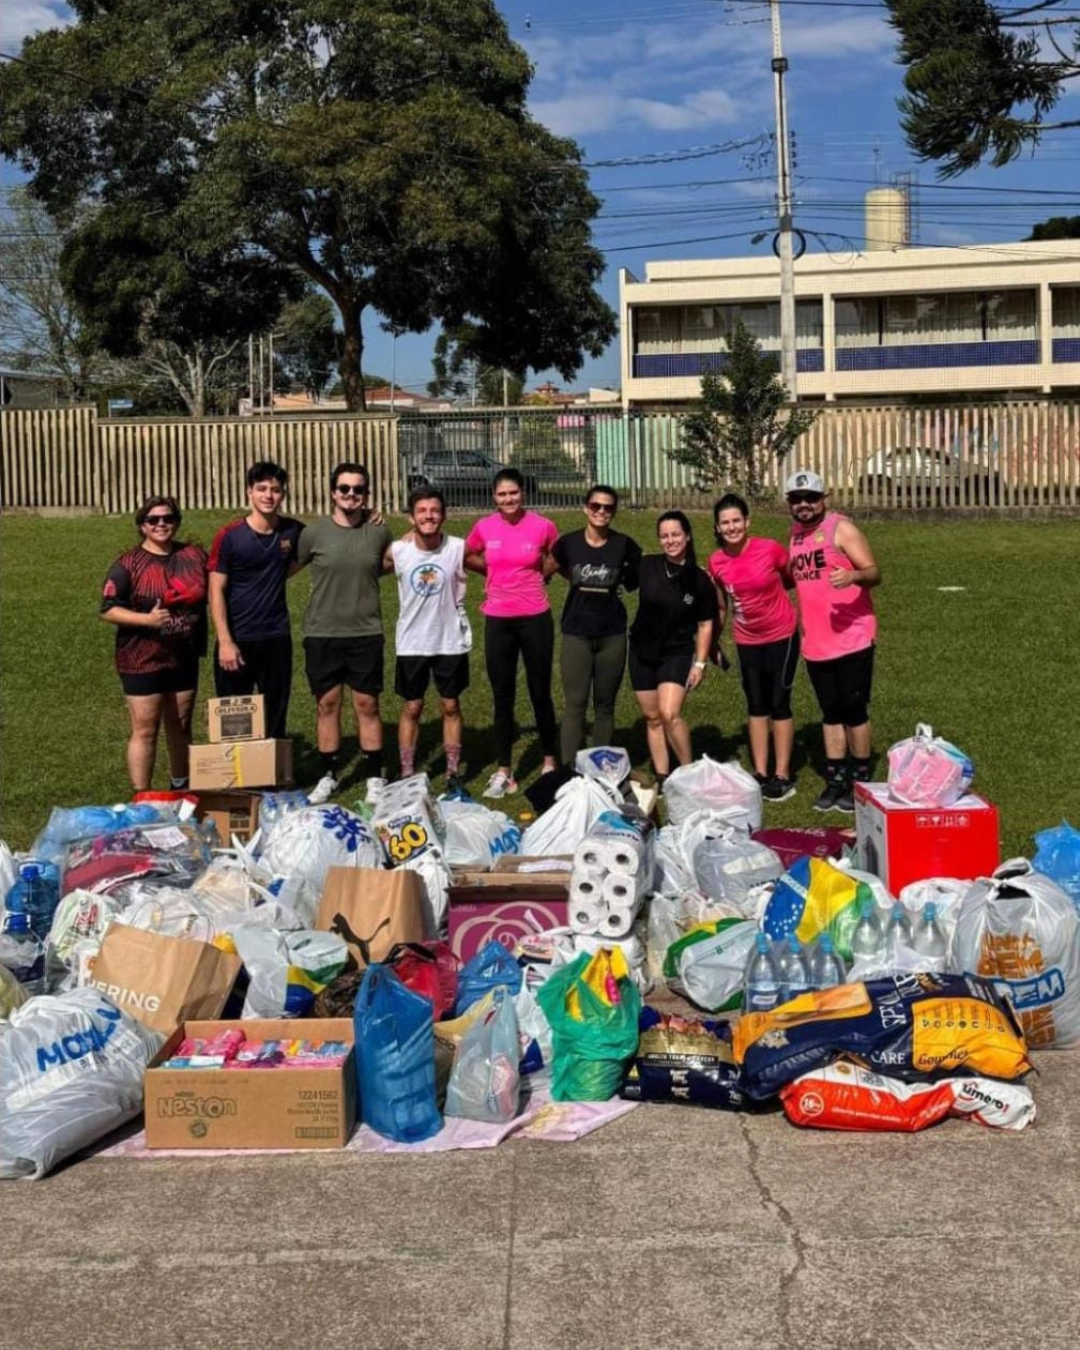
[[962, 457]]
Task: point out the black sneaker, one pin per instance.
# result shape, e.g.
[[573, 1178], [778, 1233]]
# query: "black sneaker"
[[835, 790], [762, 780], [778, 789]]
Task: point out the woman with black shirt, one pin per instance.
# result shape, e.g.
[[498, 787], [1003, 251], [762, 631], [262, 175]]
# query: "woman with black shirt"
[[155, 594], [597, 562], [670, 639]]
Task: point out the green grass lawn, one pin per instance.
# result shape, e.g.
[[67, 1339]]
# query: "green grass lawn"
[[992, 666]]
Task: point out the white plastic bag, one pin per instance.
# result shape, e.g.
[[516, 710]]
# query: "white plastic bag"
[[608, 763], [707, 785], [710, 972], [71, 1070], [671, 916], [485, 1082], [287, 970], [476, 836], [81, 916], [9, 872], [302, 846], [167, 911], [436, 877], [728, 865], [946, 893], [578, 805], [1021, 930]]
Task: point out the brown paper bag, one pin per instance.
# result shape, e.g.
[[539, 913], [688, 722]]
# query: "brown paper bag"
[[372, 909], [163, 981]]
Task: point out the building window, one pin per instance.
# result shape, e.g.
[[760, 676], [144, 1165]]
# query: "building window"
[[937, 317], [1066, 311], [676, 330]]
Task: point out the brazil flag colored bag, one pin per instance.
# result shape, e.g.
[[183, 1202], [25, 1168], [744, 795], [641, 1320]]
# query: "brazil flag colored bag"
[[593, 1007], [811, 897]]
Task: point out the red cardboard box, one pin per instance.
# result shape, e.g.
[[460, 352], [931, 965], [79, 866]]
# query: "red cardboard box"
[[901, 844], [505, 906]]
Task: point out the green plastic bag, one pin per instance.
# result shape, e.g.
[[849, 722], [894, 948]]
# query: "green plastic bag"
[[589, 1051]]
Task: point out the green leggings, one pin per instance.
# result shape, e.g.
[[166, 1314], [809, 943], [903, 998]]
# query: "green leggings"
[[590, 665]]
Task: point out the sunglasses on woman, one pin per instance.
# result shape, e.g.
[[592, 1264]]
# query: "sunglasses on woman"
[[160, 520]]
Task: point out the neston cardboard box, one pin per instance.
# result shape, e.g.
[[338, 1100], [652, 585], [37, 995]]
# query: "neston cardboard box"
[[253, 1108], [241, 764], [241, 717], [232, 812], [901, 844], [508, 903], [372, 909]]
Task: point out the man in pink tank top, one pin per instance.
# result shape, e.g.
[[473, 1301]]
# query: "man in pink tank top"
[[834, 571]]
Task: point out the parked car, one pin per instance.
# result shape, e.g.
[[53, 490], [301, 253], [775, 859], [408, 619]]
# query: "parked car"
[[464, 477], [920, 477]]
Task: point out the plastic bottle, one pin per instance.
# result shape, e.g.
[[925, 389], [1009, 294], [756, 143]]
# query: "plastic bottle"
[[792, 969], [868, 940], [898, 930], [927, 938], [761, 983], [36, 894], [826, 967], [23, 953]]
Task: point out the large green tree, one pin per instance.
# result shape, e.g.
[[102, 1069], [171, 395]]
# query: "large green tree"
[[306, 343], [983, 79], [1057, 227], [457, 374], [743, 420], [380, 148]]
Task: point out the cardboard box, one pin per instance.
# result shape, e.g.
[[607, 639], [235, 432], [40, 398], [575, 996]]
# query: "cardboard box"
[[373, 909], [901, 844], [507, 904], [241, 717], [253, 1108], [232, 812], [241, 764]]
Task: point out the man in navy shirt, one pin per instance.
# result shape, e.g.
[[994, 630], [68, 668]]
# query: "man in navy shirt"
[[250, 561]]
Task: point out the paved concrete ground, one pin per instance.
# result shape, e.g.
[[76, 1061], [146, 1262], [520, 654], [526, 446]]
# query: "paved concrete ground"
[[671, 1227]]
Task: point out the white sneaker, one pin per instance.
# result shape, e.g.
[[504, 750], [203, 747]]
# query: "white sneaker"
[[500, 784], [374, 787], [323, 790]]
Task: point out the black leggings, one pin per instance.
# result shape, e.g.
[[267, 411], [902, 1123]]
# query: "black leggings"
[[590, 666], [267, 670], [768, 672], [842, 687], [533, 638]]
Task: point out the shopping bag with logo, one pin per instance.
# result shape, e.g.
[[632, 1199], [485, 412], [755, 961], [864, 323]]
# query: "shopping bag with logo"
[[1020, 930], [163, 981], [372, 909], [395, 1058], [287, 971]]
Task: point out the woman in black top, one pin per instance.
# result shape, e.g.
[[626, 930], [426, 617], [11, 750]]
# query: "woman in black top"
[[670, 639], [597, 562]]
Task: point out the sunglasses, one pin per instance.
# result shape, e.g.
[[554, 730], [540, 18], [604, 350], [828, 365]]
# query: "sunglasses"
[[352, 491], [605, 507], [160, 520], [798, 498]]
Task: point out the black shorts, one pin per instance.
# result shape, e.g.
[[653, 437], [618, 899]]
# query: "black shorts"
[[178, 681], [768, 672], [669, 668], [333, 661], [842, 686], [412, 674]]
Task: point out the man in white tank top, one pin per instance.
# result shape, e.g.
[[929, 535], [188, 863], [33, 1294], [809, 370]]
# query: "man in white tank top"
[[433, 637], [834, 571]]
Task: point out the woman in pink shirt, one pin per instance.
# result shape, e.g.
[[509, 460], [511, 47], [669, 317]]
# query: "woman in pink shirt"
[[753, 576], [512, 547]]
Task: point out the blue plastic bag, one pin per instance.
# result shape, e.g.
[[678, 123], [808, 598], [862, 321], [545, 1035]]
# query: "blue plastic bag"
[[395, 1058], [1058, 857], [491, 967], [68, 823]]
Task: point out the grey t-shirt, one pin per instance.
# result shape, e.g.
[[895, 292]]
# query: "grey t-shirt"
[[346, 565]]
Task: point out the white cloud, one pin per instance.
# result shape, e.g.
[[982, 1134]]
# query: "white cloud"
[[19, 19], [583, 112]]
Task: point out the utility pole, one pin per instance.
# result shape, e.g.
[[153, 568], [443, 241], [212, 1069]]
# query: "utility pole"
[[785, 243]]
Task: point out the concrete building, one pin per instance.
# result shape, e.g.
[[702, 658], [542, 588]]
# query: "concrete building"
[[890, 322]]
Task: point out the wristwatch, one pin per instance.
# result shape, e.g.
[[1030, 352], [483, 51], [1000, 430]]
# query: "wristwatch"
[[700, 665]]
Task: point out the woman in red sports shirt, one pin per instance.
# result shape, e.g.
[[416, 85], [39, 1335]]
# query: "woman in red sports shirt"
[[155, 593]]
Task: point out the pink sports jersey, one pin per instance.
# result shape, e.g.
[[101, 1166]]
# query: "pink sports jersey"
[[513, 554], [753, 582], [834, 622]]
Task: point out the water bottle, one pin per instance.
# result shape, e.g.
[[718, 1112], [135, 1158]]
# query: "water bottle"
[[36, 894], [898, 931], [826, 967], [868, 941], [792, 970], [22, 952], [761, 983], [927, 938]]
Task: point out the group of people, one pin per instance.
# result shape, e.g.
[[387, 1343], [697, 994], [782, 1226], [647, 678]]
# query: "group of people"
[[158, 592]]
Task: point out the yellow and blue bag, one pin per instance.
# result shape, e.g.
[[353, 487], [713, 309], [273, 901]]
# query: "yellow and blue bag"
[[814, 897]]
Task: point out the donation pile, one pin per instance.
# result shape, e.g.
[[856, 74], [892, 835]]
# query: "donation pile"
[[422, 962]]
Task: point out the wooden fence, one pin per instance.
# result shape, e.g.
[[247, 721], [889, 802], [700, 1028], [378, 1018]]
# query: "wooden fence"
[[956, 457]]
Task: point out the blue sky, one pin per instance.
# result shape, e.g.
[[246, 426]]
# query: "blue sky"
[[683, 77]]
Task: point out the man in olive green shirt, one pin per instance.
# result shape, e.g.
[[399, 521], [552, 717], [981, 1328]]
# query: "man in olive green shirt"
[[343, 633]]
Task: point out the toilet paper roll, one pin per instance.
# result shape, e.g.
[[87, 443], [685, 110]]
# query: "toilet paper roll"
[[617, 922], [621, 888], [584, 882], [586, 913]]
